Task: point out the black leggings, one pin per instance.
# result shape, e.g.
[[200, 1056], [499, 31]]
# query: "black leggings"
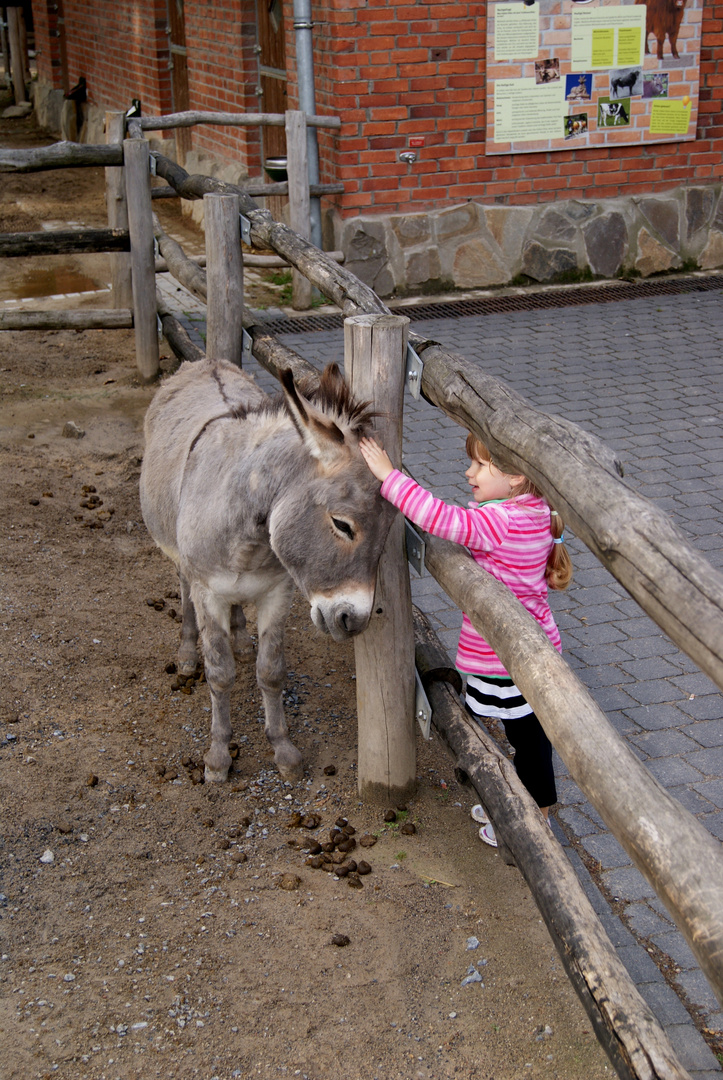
[[533, 758], [533, 755]]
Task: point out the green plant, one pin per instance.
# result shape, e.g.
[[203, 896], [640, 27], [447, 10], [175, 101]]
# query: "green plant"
[[401, 855]]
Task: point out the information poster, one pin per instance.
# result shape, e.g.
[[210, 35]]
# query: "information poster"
[[566, 73]]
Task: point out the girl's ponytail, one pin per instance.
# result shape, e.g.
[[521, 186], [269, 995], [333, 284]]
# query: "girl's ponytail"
[[558, 571]]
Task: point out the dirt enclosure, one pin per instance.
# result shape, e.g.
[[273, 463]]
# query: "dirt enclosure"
[[154, 926]]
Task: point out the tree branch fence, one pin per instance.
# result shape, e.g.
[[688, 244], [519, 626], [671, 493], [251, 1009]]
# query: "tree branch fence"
[[578, 474]]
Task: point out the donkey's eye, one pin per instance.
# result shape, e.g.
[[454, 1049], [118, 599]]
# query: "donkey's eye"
[[343, 527]]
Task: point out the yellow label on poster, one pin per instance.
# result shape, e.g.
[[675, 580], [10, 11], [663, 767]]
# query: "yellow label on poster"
[[603, 47], [629, 46], [669, 118]]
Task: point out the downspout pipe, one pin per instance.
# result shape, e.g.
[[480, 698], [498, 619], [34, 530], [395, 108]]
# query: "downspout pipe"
[[303, 26]]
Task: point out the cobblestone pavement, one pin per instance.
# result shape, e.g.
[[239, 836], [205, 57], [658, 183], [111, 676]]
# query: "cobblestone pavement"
[[647, 377]]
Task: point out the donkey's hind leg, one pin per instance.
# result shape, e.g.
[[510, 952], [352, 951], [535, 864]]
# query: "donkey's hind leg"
[[241, 640], [214, 624], [272, 610], [187, 650]]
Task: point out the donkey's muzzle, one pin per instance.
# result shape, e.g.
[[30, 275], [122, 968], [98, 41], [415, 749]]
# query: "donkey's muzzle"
[[342, 616]]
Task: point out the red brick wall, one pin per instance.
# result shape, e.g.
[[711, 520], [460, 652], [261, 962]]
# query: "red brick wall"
[[391, 69]]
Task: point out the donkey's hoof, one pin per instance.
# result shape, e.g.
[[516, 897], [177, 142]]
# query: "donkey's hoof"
[[187, 661], [289, 761], [215, 776]]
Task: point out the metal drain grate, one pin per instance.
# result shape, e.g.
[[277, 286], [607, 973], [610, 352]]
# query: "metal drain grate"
[[524, 301]]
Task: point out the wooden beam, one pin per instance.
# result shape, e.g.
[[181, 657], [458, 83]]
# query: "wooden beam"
[[140, 224], [188, 119], [224, 278], [299, 204], [670, 847], [90, 319], [61, 155], [374, 365], [115, 193], [65, 242], [626, 1028], [176, 334], [257, 187]]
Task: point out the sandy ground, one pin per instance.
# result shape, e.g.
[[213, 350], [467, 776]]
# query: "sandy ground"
[[154, 926]]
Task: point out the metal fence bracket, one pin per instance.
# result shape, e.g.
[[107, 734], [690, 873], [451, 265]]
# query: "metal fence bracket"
[[245, 229], [246, 345], [416, 548], [415, 367], [422, 708]]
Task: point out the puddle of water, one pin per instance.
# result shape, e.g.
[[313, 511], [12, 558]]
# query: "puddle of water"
[[49, 281]]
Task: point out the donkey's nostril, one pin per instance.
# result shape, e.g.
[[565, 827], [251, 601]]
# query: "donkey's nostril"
[[345, 621]]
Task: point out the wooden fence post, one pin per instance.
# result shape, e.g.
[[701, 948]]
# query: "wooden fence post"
[[297, 170], [224, 278], [375, 349], [17, 59], [136, 160], [115, 196]]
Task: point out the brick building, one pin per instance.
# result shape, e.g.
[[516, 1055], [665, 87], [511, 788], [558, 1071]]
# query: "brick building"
[[412, 77]]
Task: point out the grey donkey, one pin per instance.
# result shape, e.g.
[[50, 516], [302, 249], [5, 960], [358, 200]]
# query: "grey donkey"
[[251, 496]]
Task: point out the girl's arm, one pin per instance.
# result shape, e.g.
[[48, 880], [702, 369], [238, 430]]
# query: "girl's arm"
[[474, 528]]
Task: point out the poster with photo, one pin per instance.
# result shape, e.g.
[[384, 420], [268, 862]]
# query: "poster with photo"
[[591, 73]]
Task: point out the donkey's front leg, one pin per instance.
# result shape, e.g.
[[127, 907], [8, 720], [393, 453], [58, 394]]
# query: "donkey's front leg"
[[270, 676], [214, 621]]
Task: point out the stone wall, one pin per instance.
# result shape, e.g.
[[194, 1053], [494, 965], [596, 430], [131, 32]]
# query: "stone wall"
[[475, 246]]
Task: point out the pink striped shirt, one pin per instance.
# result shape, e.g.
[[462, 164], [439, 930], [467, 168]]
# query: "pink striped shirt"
[[511, 540]]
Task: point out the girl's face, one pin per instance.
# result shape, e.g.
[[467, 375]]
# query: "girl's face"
[[487, 482]]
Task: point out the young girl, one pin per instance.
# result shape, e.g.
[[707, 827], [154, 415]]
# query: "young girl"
[[516, 537]]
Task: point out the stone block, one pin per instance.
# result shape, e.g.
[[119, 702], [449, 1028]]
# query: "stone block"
[[477, 266], [664, 217], [552, 225], [712, 254], [507, 226], [654, 257], [411, 229], [545, 264], [456, 221], [422, 268], [606, 243], [699, 207]]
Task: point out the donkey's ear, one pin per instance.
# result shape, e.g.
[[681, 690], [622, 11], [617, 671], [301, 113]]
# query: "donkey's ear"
[[322, 437]]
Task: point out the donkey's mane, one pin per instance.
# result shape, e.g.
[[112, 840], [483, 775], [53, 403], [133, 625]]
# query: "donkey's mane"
[[333, 396]]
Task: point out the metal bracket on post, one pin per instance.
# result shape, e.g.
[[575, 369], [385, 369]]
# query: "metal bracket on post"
[[245, 229], [152, 163], [416, 548], [422, 708], [415, 367], [246, 346]]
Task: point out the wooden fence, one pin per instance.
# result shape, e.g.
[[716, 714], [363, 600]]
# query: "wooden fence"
[[581, 477]]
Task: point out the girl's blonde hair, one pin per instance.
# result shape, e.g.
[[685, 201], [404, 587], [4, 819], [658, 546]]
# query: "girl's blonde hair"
[[558, 572]]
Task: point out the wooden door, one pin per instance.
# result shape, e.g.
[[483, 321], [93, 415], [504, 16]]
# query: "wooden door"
[[179, 73], [272, 72]]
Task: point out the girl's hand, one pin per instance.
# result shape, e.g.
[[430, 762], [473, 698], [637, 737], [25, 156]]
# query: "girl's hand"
[[376, 458]]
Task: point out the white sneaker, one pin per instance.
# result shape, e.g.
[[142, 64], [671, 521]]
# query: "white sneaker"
[[479, 815], [487, 833]]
